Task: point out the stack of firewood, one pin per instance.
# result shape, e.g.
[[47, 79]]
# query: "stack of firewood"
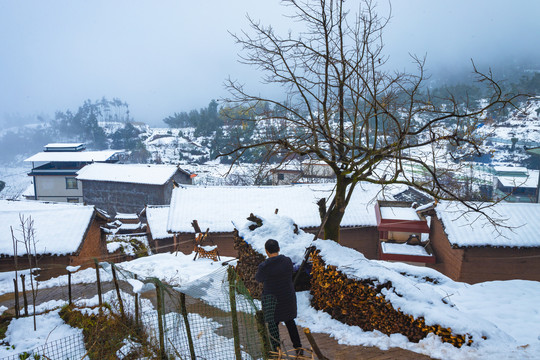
[[248, 263], [360, 303]]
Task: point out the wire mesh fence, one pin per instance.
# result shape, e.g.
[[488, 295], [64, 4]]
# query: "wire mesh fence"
[[213, 317]]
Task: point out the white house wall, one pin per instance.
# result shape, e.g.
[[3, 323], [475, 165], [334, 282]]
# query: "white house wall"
[[53, 188]]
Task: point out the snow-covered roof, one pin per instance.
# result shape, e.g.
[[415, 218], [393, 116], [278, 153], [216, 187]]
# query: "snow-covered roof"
[[73, 156], [219, 207], [59, 227], [510, 169], [156, 216], [399, 213], [128, 173], [529, 181], [125, 216], [403, 249], [63, 145], [518, 225]]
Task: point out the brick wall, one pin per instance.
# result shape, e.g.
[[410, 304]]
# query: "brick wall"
[[93, 246], [487, 264], [449, 260]]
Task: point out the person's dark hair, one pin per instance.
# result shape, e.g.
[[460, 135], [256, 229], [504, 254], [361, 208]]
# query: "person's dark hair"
[[272, 246]]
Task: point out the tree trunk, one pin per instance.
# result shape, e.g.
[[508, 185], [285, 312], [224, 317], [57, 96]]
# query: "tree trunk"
[[336, 212]]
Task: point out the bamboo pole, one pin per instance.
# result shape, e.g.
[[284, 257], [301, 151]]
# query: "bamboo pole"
[[17, 309], [263, 334], [100, 298], [162, 354], [25, 299], [234, 315], [183, 310], [136, 306], [120, 302], [314, 345], [69, 287]]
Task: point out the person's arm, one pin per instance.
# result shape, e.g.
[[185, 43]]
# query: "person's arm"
[[260, 276]]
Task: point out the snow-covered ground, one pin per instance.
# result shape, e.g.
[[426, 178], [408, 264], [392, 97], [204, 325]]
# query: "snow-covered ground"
[[504, 312], [507, 310], [16, 178]]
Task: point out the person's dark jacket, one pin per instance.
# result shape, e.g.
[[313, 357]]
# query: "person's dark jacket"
[[276, 275]]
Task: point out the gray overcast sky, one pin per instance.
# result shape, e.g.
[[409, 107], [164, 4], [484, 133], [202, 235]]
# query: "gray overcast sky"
[[168, 56]]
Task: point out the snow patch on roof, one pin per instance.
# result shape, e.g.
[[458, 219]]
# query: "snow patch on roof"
[[528, 181], [59, 228], [128, 173], [399, 213], [156, 216], [519, 225]]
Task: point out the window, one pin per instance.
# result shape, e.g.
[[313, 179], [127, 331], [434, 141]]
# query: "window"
[[72, 200], [281, 176], [71, 183]]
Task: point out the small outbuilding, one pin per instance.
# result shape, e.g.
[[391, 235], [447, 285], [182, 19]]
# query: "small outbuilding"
[[471, 248], [403, 233], [65, 235], [128, 188]]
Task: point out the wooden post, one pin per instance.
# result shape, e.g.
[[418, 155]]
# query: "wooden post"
[[162, 353], [98, 284], [263, 334], [69, 287], [183, 310], [16, 287], [232, 297], [120, 302], [313, 344], [25, 299], [136, 306]]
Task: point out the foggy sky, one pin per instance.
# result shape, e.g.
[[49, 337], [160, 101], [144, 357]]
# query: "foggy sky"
[[168, 56]]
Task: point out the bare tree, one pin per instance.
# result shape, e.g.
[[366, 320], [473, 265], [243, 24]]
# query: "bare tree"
[[344, 108], [29, 241]]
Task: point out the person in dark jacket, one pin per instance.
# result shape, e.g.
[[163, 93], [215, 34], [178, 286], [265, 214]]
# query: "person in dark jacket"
[[278, 296]]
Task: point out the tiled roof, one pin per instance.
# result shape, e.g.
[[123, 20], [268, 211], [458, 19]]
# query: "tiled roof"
[[518, 225], [59, 227], [219, 207]]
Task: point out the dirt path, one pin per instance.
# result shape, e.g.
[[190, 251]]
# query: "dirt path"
[[332, 350]]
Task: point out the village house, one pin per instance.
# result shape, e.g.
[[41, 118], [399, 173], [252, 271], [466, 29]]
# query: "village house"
[[128, 188], [65, 235], [220, 209], [307, 172], [54, 170], [471, 249], [515, 184]]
